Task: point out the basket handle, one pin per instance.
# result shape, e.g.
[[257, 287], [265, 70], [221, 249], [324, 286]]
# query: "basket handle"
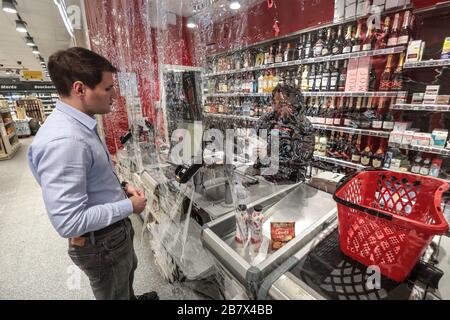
[[372, 212]]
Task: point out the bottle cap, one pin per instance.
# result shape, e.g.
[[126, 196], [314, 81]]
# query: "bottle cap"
[[258, 208], [242, 207]]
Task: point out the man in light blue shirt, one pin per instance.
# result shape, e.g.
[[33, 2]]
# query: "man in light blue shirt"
[[85, 201]]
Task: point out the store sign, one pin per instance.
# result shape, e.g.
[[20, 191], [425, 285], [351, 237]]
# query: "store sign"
[[27, 87], [32, 75]]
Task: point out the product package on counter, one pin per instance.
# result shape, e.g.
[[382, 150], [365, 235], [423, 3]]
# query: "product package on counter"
[[281, 233]]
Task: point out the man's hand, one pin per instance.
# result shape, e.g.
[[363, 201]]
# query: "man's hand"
[[139, 203], [133, 192]]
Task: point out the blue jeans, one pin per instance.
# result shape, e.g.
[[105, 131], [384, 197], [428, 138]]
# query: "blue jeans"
[[109, 261]]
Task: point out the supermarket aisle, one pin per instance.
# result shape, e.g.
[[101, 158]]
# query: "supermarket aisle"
[[34, 263]]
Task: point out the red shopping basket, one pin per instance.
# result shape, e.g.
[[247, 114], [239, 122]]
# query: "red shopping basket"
[[387, 219]]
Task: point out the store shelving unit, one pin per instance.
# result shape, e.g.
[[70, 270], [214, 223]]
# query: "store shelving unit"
[[422, 107], [301, 62], [367, 94], [9, 140], [339, 162], [33, 108], [440, 151], [427, 64], [364, 132], [228, 116], [48, 101]]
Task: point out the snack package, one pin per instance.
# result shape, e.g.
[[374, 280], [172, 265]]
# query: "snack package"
[[281, 233]]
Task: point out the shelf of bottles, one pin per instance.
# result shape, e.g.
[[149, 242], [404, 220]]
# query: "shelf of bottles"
[[422, 107], [301, 62], [342, 163], [434, 150], [230, 117], [386, 94], [364, 132], [427, 64]]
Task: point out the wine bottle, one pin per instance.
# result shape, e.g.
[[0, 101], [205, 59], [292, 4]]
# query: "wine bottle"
[[288, 54], [309, 52], [393, 37], [301, 47], [334, 77], [346, 152], [349, 110], [372, 79], [329, 119], [305, 79], [318, 81], [338, 117], [370, 40], [397, 77], [367, 153], [382, 41], [386, 76], [377, 123], [326, 75], [279, 55], [312, 78], [318, 46], [405, 33], [388, 120], [338, 43], [331, 145], [343, 77], [348, 44], [328, 44], [356, 151], [378, 156], [357, 40]]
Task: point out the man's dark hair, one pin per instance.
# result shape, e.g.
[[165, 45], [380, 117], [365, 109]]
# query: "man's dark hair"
[[77, 64]]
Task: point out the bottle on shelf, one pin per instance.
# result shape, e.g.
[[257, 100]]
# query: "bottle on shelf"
[[346, 152], [388, 119], [356, 151], [305, 79], [397, 76], [334, 77], [378, 156], [348, 43], [301, 47], [393, 36], [312, 78], [343, 77], [309, 49], [288, 53], [275, 80], [328, 44], [339, 113], [417, 165], [377, 123], [321, 112], [331, 145], [318, 46], [349, 110], [326, 77], [318, 81], [382, 41], [261, 83], [370, 39], [330, 113], [338, 42], [425, 169], [279, 55], [386, 76], [405, 33], [357, 40], [323, 142], [372, 79], [270, 79], [367, 153]]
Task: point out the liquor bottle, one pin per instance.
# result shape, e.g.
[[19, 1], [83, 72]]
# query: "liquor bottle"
[[275, 80], [346, 152], [329, 119], [267, 55], [254, 84], [378, 156], [301, 47], [384, 36], [343, 77], [388, 119], [367, 153], [298, 78], [328, 45], [338, 43], [279, 55], [377, 123], [266, 82], [305, 79], [348, 44], [356, 151], [339, 114], [349, 110], [331, 145], [318, 46], [312, 78], [261, 83], [357, 40], [340, 146], [372, 79], [321, 112], [334, 77], [326, 75], [397, 77], [370, 40], [405, 33], [393, 37], [270, 79], [318, 81], [308, 51], [386, 76], [288, 53]]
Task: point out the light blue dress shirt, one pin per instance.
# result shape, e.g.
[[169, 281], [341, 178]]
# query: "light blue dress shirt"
[[73, 167]]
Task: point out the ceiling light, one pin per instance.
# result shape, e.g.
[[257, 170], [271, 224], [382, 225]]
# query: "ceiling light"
[[36, 50], [9, 6], [30, 41], [63, 13], [235, 5], [21, 26], [191, 23]]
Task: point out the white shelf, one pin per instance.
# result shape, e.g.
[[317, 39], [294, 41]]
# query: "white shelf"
[[315, 94], [422, 107], [427, 64], [440, 151], [228, 116], [364, 132], [344, 56], [339, 162]]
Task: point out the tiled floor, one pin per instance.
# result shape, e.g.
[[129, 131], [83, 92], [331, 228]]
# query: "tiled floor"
[[33, 259]]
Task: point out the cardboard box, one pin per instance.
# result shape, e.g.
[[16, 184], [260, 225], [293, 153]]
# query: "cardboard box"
[[352, 76], [407, 137], [421, 139], [415, 51], [432, 90], [363, 72], [439, 138], [430, 99], [396, 137], [402, 126], [443, 99]]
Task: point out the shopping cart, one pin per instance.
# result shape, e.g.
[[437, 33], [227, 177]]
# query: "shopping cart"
[[387, 219]]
